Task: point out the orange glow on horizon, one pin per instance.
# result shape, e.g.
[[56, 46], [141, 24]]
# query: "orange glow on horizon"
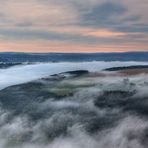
[[46, 46]]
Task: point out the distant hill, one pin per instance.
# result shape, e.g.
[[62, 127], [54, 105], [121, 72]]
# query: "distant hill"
[[127, 68], [72, 57]]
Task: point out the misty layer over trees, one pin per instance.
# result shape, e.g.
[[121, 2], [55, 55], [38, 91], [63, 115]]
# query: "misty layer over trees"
[[76, 109]]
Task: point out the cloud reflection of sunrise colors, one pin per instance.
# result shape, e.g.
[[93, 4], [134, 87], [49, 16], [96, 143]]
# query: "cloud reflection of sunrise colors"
[[73, 26]]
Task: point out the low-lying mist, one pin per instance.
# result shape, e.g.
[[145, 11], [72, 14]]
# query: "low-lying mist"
[[25, 73], [73, 111]]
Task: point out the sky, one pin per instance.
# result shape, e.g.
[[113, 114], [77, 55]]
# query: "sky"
[[73, 25]]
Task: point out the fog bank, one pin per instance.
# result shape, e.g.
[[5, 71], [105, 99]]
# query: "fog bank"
[[25, 73]]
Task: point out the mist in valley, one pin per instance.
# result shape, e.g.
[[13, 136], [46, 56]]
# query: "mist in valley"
[[92, 110]]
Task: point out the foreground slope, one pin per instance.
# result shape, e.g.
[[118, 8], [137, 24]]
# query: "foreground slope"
[[76, 109]]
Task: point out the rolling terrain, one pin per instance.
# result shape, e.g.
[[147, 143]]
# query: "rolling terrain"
[[97, 109]]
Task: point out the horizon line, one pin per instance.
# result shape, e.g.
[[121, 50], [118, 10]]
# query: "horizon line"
[[73, 52]]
